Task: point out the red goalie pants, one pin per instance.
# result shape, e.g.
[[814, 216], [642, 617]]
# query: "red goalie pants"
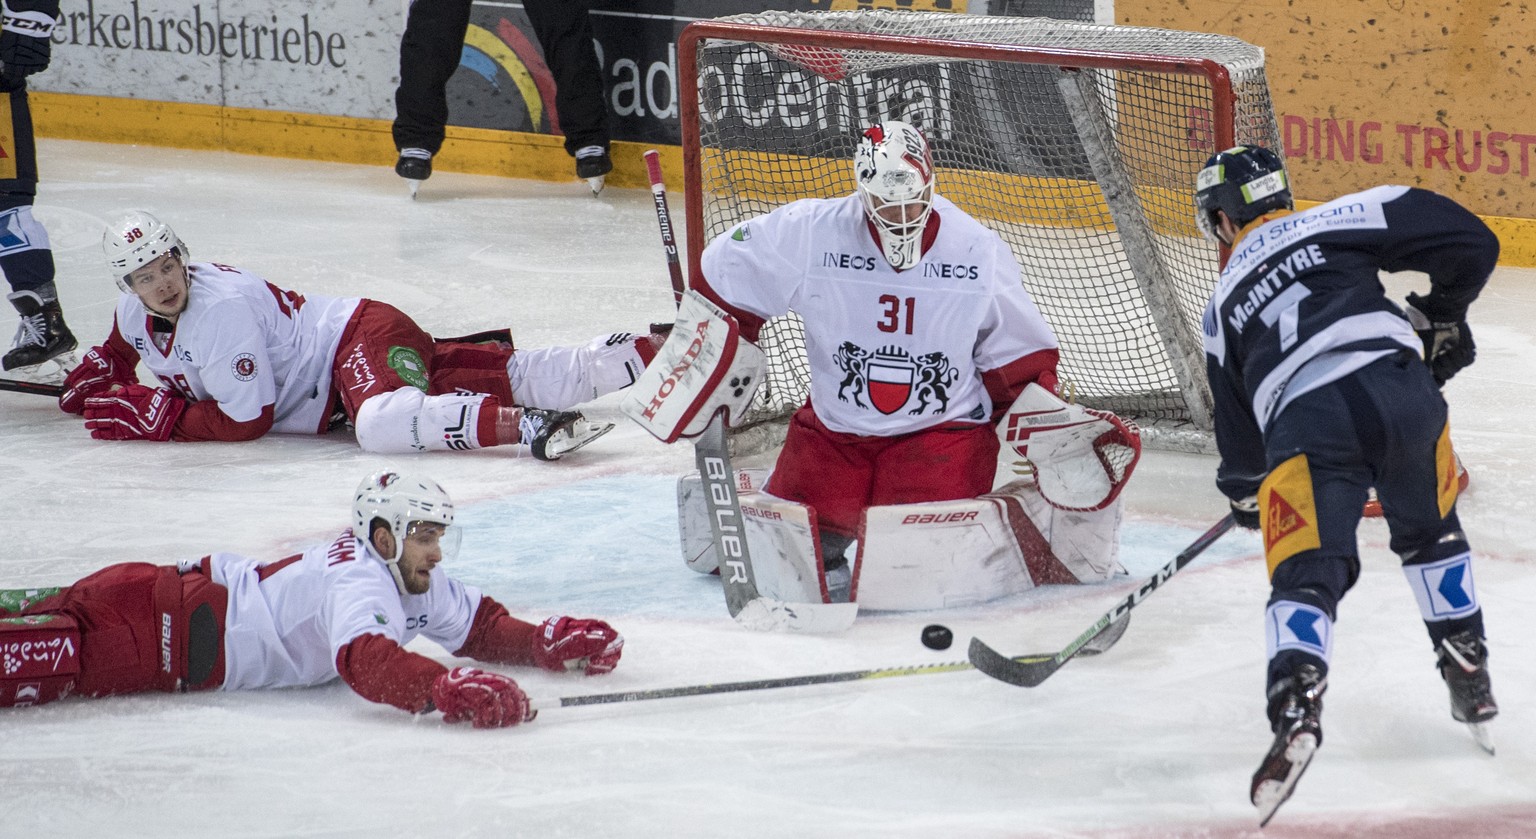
[[143, 627], [838, 475]]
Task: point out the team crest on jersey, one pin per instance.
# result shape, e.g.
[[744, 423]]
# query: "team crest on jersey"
[[407, 363], [743, 233], [892, 378], [244, 366]]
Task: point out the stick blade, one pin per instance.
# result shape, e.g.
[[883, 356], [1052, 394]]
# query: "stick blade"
[[1026, 672], [767, 615]]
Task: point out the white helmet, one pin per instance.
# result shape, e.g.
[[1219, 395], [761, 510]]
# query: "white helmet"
[[894, 169], [401, 498], [136, 239]]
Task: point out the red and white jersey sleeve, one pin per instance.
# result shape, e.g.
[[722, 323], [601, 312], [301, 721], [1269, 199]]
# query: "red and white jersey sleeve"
[[287, 619], [246, 344], [891, 352]]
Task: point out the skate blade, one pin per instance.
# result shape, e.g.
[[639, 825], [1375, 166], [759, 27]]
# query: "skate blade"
[[1272, 793], [1482, 735], [596, 184], [415, 187], [50, 372], [592, 432]]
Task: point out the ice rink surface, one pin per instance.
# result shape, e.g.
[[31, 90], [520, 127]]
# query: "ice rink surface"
[[1156, 738]]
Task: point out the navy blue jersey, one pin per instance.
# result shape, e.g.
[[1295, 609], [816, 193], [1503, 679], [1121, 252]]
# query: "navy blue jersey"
[[1300, 304]]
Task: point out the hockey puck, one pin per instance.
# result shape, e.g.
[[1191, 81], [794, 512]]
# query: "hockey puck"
[[936, 637]]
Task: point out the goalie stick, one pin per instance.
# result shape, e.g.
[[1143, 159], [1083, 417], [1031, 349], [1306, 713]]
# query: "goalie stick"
[[749, 608], [1030, 673], [37, 388], [713, 457]]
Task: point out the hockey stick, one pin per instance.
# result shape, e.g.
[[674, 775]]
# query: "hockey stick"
[[767, 684], [749, 608], [1031, 673], [37, 388], [664, 218]]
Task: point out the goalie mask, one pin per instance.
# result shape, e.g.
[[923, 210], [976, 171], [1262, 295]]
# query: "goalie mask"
[[136, 239], [894, 171], [403, 501], [1244, 182]]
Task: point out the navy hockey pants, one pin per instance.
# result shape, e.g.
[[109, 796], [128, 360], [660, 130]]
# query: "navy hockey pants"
[[1381, 427]]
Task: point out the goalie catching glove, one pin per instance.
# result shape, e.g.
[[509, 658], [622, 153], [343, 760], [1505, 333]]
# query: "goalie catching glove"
[[1080, 457], [705, 367], [1448, 344]]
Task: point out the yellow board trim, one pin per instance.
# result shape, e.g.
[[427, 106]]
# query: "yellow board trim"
[[478, 151]]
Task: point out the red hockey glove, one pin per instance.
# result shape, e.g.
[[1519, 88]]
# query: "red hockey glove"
[[577, 644], [488, 700], [134, 412], [100, 370]]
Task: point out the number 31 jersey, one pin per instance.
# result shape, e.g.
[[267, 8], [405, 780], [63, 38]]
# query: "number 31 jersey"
[[891, 352]]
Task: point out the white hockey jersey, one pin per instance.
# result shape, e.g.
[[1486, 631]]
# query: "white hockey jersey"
[[286, 620], [246, 344], [890, 352]]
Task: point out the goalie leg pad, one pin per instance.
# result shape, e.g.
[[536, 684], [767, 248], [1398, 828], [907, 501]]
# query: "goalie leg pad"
[[39, 658], [693, 517], [786, 549], [703, 368], [941, 554]]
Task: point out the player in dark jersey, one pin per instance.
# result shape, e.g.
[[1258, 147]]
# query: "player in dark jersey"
[[1324, 389]]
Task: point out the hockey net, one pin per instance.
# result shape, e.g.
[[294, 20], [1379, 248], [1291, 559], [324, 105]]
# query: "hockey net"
[[1078, 143]]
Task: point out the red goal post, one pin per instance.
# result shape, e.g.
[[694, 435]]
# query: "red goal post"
[[1078, 143]]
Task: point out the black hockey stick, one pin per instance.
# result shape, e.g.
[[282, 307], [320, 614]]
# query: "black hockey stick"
[[768, 684], [664, 218], [1030, 673], [36, 388]]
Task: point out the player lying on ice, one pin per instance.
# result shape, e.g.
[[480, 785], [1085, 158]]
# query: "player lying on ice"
[[919, 337], [237, 357], [347, 609]]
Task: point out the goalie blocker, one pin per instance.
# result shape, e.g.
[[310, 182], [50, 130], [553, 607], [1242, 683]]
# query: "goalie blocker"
[[704, 367]]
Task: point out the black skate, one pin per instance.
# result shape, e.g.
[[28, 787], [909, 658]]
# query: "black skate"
[[40, 337], [551, 435], [415, 165], [1463, 665], [593, 165], [1296, 707]]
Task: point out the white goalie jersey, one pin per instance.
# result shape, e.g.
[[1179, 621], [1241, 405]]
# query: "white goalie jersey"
[[891, 352]]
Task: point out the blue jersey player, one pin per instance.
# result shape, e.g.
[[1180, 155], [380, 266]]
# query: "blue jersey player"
[[1324, 389]]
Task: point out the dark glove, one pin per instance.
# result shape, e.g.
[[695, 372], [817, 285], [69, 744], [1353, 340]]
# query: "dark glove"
[[1245, 513], [1448, 344], [25, 41]]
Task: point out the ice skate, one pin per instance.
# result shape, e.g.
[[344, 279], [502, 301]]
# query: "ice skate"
[[551, 435], [1463, 665], [43, 350], [1296, 707], [593, 165], [415, 165]]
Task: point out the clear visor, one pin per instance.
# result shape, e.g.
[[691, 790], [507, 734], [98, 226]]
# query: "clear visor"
[[435, 536]]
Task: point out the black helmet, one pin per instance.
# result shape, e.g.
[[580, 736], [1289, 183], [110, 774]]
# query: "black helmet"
[[1244, 182]]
